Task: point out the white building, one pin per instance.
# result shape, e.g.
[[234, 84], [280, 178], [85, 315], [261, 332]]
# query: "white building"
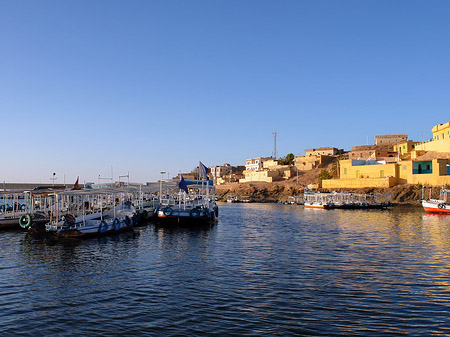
[[255, 164]]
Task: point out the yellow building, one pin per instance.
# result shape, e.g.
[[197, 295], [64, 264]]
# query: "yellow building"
[[363, 173], [425, 163], [405, 148], [430, 169], [440, 141]]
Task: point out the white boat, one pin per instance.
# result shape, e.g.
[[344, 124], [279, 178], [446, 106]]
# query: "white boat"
[[232, 198], [12, 207], [313, 199], [147, 202], [346, 200], [100, 212], [440, 205], [198, 206]]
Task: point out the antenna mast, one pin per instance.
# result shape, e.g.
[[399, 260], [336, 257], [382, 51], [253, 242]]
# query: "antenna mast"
[[274, 154]]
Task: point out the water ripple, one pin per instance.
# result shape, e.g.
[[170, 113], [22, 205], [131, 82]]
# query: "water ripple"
[[263, 270]]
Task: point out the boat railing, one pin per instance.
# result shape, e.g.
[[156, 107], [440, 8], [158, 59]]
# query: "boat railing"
[[12, 204], [338, 198]]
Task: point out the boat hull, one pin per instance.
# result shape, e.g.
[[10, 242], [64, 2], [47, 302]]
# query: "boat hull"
[[317, 205], [435, 207], [9, 223], [190, 216]]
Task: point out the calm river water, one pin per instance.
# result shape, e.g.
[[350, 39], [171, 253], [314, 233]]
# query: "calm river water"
[[262, 270]]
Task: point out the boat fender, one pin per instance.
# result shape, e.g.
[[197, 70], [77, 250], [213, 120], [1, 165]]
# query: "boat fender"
[[116, 224], [168, 211], [25, 220], [127, 220], [136, 218], [195, 213], [103, 227], [441, 206]]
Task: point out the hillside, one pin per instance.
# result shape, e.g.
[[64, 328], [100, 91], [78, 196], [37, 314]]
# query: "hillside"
[[281, 190]]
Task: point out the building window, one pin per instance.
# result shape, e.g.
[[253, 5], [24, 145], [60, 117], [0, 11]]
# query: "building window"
[[422, 167], [382, 174], [345, 170], [357, 174]]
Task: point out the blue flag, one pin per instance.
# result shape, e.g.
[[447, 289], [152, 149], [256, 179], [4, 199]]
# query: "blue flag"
[[182, 185], [203, 170]]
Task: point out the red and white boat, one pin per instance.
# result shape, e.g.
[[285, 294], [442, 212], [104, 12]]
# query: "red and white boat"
[[437, 205]]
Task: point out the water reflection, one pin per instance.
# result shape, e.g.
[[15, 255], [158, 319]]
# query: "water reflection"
[[263, 269]]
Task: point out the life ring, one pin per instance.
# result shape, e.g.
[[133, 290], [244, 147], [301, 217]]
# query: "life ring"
[[25, 220], [441, 206], [103, 227], [195, 213], [127, 220], [116, 224], [168, 211]]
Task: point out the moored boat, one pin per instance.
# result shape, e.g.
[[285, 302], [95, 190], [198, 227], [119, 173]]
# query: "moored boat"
[[12, 207], [440, 205], [81, 214], [346, 200], [194, 203], [313, 199]]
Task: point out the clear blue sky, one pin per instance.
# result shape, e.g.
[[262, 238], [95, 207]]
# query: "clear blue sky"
[[150, 86]]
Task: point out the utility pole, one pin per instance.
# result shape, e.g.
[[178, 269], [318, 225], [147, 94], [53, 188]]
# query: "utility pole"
[[274, 154]]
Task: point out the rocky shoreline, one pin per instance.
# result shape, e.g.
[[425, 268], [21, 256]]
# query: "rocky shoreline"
[[281, 191]]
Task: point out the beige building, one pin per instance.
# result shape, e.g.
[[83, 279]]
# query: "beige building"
[[268, 175], [390, 139], [305, 163], [323, 151], [372, 152], [316, 157], [219, 171], [226, 173]]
